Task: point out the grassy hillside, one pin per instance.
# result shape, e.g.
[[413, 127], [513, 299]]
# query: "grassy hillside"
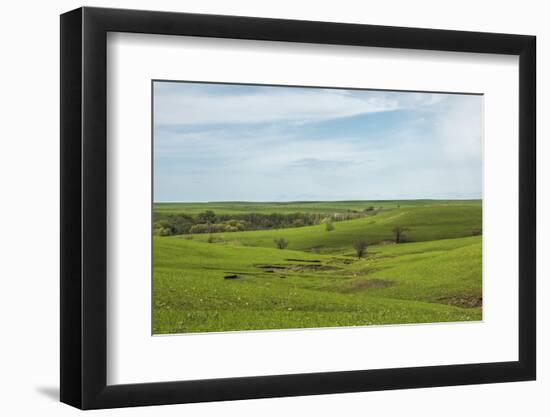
[[412, 283], [419, 223], [241, 281]]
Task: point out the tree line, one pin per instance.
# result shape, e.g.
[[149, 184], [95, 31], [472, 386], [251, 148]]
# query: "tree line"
[[210, 222]]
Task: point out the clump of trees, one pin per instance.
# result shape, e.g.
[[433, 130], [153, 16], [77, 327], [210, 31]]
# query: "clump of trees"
[[207, 217], [349, 215], [162, 230], [329, 226], [360, 247], [173, 224], [229, 226], [281, 243], [209, 222]]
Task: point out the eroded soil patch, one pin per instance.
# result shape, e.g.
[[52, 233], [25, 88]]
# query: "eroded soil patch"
[[304, 260], [264, 266], [232, 276], [311, 267], [464, 301]]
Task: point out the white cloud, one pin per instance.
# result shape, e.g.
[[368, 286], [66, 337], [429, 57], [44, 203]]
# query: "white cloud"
[[433, 149], [195, 106], [287, 106], [460, 128]]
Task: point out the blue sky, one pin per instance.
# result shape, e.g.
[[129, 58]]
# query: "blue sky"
[[216, 142]]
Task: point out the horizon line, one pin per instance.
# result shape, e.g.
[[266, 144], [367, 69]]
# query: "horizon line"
[[318, 201]]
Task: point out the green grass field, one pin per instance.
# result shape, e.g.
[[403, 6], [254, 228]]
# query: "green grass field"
[[301, 206], [242, 281]]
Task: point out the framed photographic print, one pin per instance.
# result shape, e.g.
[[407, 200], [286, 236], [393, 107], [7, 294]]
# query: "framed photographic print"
[[258, 207]]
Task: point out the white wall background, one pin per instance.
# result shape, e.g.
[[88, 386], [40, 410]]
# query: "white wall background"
[[29, 177]]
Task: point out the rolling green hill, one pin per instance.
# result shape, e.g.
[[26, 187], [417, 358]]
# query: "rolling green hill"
[[241, 281], [286, 289], [419, 224]]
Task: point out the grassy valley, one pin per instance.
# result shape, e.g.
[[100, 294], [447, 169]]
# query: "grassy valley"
[[239, 278]]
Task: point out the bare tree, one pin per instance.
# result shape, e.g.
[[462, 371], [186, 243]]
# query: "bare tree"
[[360, 247], [281, 243], [398, 234]]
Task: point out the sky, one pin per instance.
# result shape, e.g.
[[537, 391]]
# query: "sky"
[[228, 142]]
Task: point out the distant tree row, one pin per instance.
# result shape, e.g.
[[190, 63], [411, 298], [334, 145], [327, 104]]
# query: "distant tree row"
[[210, 222]]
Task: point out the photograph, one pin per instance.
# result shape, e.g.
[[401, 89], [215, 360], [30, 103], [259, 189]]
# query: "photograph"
[[291, 207], [256, 207]]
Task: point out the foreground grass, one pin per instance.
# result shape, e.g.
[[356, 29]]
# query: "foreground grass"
[[435, 281]]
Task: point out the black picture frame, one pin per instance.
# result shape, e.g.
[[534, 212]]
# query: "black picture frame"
[[84, 207]]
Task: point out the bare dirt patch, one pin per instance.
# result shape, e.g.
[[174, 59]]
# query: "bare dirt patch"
[[263, 266], [232, 276], [464, 301], [304, 260], [345, 261], [310, 267]]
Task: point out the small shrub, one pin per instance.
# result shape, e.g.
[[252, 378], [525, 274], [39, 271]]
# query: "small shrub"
[[329, 227], [165, 231], [207, 216], [298, 223], [200, 228], [281, 243], [234, 225], [360, 247], [211, 239], [476, 232]]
